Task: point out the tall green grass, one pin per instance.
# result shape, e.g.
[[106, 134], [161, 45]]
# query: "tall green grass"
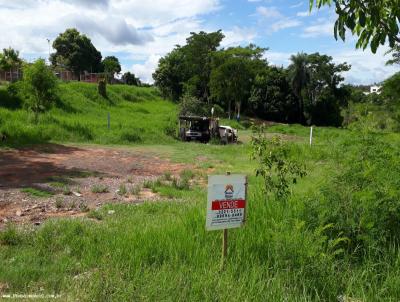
[[137, 115], [333, 238]]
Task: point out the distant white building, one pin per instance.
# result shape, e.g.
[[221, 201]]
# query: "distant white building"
[[374, 89]]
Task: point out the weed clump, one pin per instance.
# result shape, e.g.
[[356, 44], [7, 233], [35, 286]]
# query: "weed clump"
[[99, 189]]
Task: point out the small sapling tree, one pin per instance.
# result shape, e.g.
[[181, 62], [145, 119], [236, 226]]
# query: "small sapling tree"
[[102, 88], [39, 86], [274, 164]]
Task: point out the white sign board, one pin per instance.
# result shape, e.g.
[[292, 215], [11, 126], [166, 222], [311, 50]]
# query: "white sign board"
[[226, 202]]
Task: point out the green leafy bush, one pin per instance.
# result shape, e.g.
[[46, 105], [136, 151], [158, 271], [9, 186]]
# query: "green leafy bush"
[[38, 87], [102, 88], [274, 164]]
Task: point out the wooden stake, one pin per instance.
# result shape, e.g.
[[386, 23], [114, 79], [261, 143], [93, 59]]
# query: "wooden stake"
[[224, 242], [224, 246]]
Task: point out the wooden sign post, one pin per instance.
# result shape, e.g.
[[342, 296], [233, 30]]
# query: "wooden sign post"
[[226, 205]]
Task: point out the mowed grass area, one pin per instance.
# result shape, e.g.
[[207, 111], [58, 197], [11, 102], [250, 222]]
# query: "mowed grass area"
[[334, 239], [137, 115]]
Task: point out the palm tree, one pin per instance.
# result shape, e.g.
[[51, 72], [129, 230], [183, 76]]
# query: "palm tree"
[[299, 77]]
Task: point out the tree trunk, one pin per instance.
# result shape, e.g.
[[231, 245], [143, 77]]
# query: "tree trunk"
[[229, 109], [301, 116]]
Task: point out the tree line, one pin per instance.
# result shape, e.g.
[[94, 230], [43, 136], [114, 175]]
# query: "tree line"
[[239, 80]]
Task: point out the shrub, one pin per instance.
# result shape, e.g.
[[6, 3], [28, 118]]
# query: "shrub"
[[38, 86], [102, 88], [122, 190], [135, 190], [95, 214], [99, 189], [274, 164], [190, 105]]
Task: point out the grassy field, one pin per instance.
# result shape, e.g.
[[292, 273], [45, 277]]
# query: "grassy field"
[[137, 115], [334, 239]]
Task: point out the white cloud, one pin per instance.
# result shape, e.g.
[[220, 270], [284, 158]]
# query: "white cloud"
[[366, 67], [144, 71], [320, 28], [278, 58], [133, 29], [306, 13], [238, 36], [272, 19], [297, 5], [284, 24], [268, 12]]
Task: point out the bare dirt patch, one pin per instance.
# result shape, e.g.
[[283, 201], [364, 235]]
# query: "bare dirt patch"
[[69, 174]]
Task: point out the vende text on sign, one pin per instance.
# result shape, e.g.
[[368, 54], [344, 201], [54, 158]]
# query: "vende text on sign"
[[226, 201]]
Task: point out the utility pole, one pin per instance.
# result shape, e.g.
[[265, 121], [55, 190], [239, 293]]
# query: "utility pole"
[[48, 42]]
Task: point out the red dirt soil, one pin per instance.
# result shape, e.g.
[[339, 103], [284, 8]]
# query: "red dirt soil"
[[80, 168]]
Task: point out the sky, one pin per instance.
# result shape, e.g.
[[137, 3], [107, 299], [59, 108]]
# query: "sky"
[[140, 32]]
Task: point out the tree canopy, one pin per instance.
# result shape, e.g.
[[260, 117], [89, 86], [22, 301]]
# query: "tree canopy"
[[9, 59], [130, 79], [111, 65], [38, 86], [240, 79], [374, 22], [75, 52], [188, 68]]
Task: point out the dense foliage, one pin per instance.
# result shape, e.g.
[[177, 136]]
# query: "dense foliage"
[[111, 65], [239, 80], [129, 78], [75, 52], [10, 59], [38, 87]]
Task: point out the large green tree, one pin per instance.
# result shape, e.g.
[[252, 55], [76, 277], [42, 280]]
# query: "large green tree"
[[10, 59], [299, 77], [315, 81], [231, 81], [111, 65], [324, 97], [130, 79], [272, 97], [188, 68], [373, 21], [75, 52], [171, 74], [233, 73], [198, 52]]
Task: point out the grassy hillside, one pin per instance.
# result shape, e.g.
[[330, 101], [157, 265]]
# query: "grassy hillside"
[[138, 115]]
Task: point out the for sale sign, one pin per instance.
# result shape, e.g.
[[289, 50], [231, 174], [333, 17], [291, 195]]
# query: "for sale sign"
[[226, 201]]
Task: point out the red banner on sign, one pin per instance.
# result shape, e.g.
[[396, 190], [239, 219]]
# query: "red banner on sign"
[[228, 204]]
